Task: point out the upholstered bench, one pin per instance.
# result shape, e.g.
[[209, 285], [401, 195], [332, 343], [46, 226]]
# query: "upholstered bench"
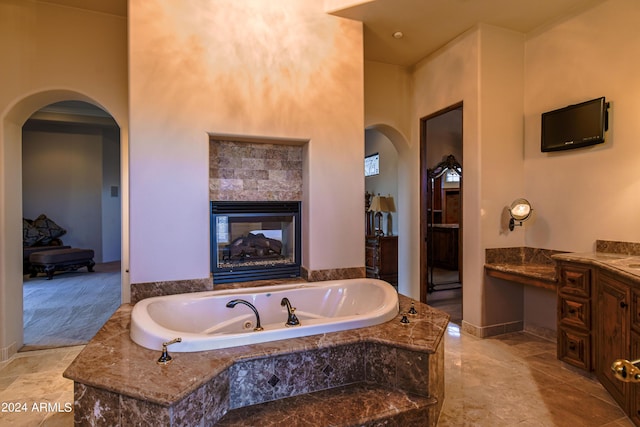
[[60, 260]]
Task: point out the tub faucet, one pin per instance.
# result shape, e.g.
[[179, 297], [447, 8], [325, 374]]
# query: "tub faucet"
[[235, 302], [292, 319]]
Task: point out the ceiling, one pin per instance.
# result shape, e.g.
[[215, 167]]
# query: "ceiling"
[[426, 25], [113, 7]]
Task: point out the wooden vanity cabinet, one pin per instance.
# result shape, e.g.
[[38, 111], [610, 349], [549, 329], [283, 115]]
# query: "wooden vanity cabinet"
[[598, 323], [613, 333], [634, 405], [574, 315]]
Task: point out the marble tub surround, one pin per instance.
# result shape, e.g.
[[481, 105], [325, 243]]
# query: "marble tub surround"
[[140, 291], [333, 274], [119, 380], [364, 405], [530, 266]]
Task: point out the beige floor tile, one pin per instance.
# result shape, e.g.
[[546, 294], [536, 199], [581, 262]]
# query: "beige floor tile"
[[511, 380]]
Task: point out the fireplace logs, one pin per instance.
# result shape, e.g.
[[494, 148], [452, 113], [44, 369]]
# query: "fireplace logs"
[[254, 246]]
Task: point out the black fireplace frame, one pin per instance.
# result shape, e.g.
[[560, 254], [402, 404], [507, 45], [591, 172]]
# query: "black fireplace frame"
[[241, 273]]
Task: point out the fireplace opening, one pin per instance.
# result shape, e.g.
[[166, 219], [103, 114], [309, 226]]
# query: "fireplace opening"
[[254, 240]]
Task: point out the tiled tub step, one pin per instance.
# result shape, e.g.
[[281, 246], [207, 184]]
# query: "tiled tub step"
[[359, 404]]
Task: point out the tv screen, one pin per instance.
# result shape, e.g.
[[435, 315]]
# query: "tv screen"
[[574, 126]]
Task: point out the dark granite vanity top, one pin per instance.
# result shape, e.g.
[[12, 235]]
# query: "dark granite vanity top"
[[530, 266], [622, 258], [537, 267]]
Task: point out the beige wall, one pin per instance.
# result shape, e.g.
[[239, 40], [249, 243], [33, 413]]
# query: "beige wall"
[[49, 54], [583, 195], [194, 70], [483, 69], [591, 193], [578, 196]]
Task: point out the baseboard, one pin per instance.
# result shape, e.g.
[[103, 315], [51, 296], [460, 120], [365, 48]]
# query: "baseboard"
[[7, 352], [542, 332], [492, 330]]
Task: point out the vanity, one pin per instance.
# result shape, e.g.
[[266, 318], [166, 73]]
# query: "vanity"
[[599, 315], [598, 306]]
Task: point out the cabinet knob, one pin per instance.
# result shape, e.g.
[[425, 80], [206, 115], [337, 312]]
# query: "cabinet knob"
[[623, 304]]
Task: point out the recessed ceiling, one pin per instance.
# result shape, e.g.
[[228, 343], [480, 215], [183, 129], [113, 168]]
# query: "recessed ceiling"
[[112, 7], [427, 25]]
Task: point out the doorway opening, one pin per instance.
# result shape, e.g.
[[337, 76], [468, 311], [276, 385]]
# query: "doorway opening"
[[441, 200], [71, 195]]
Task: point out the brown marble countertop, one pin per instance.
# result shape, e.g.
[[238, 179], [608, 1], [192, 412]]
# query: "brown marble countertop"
[[539, 271], [625, 265], [113, 362], [530, 266]]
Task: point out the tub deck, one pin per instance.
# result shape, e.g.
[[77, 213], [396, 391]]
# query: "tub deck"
[[116, 380]]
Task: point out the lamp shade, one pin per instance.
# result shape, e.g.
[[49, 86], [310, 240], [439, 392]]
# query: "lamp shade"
[[378, 204], [391, 205]]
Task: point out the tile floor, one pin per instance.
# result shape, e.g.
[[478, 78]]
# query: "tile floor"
[[511, 380], [33, 391]]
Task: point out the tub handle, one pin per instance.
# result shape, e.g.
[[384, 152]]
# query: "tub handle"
[[292, 319], [165, 359]]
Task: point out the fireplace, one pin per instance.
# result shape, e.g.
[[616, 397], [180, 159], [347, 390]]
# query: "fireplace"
[[254, 240]]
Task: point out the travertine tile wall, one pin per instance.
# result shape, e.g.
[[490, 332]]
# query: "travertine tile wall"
[[250, 171]]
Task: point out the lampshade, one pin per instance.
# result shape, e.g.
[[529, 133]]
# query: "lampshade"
[[378, 204], [391, 205]]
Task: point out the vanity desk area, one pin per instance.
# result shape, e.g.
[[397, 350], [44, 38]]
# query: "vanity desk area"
[[598, 308]]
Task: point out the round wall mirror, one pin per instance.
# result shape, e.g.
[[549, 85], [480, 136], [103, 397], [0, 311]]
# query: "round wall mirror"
[[519, 210]]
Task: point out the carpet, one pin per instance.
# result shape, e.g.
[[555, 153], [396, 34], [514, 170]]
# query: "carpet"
[[69, 309]]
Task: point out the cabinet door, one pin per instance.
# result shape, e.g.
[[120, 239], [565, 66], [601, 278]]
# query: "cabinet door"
[[634, 409], [613, 335]]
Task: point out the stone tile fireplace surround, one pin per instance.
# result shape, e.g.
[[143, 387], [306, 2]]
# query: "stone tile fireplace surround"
[[249, 169]]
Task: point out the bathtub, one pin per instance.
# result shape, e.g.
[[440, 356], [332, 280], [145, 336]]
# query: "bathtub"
[[204, 322]]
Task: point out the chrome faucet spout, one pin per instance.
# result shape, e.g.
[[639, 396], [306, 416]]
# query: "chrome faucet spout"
[[292, 319], [235, 302]]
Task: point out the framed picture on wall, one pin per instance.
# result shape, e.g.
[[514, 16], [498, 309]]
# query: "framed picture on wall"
[[372, 165]]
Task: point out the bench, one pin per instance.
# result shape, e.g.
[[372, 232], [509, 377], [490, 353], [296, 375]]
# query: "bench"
[[69, 259]]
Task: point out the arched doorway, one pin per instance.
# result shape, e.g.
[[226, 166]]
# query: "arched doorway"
[[11, 266], [70, 199]]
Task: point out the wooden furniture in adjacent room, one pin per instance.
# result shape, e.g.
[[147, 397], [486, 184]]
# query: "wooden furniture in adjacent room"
[[445, 246], [381, 261]]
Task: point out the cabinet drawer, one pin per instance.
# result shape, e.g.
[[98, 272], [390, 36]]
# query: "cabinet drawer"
[[575, 312], [574, 348], [575, 280]]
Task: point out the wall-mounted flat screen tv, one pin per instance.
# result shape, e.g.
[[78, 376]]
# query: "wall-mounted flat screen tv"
[[575, 126]]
